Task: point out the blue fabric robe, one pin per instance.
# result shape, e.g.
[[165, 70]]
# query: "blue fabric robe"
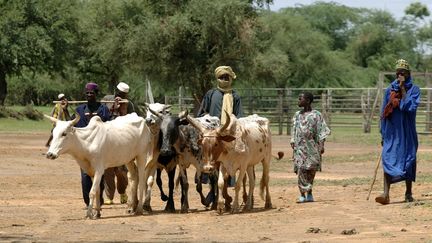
[[399, 134]]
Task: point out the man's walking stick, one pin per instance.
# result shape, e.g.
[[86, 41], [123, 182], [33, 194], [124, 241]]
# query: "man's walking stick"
[[374, 177]]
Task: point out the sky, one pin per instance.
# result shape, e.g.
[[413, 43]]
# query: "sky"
[[395, 7]]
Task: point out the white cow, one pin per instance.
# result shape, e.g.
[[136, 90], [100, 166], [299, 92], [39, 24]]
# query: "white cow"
[[102, 145], [239, 145]]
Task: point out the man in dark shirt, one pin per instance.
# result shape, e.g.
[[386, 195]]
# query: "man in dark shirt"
[[214, 102], [86, 112]]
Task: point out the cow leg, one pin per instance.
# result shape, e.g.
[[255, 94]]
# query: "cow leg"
[[141, 164], [171, 179], [245, 195], [185, 188], [236, 207], [221, 182], [95, 195], [133, 183], [250, 199], [149, 178], [199, 189], [226, 196], [265, 183], [212, 196], [159, 184]]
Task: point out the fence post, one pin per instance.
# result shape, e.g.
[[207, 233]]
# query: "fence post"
[[249, 96], [326, 106], [428, 104], [280, 110], [288, 98], [366, 121], [180, 96]]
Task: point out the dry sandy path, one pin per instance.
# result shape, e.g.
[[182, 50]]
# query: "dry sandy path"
[[40, 200]]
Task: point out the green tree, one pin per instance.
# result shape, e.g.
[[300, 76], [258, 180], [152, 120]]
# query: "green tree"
[[182, 44], [35, 36]]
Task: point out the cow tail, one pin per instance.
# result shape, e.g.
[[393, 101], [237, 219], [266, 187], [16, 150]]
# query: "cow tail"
[[264, 179]]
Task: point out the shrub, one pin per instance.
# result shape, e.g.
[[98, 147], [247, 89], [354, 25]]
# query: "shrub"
[[32, 113]]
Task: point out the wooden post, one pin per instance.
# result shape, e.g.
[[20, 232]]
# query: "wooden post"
[[428, 104], [324, 106], [180, 96], [288, 109], [280, 111], [366, 121], [250, 101]]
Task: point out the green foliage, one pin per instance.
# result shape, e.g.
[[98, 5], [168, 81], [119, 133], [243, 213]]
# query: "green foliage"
[[57, 46], [32, 114], [418, 10]]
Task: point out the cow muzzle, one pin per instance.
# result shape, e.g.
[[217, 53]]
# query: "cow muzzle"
[[50, 155], [167, 152], [208, 168]]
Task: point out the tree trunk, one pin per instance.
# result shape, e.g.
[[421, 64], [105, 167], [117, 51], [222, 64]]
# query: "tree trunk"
[[3, 86]]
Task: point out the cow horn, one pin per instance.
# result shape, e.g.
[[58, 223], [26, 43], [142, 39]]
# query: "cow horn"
[[51, 118], [227, 122], [75, 121], [155, 113], [195, 124], [183, 114]]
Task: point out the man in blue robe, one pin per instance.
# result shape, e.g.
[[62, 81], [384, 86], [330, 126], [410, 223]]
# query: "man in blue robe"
[[398, 131]]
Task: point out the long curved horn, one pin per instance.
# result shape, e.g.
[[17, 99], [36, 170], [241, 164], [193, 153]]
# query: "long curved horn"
[[51, 118], [155, 113], [227, 122], [76, 120], [195, 124]]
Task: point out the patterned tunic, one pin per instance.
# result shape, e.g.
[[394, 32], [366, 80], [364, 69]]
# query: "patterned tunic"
[[308, 133]]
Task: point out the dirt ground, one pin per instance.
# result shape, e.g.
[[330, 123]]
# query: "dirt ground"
[[40, 200]]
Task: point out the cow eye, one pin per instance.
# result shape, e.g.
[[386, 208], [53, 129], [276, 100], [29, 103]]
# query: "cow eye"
[[64, 134]]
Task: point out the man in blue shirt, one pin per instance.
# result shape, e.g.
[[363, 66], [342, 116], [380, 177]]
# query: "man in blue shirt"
[[398, 131], [86, 112]]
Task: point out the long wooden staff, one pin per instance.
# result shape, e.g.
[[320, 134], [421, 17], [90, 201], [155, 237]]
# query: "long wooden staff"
[[85, 101], [374, 177]]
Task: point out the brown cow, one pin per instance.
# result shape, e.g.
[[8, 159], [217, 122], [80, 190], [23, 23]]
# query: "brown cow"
[[238, 146]]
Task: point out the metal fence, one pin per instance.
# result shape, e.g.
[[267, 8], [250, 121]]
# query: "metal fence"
[[341, 107]]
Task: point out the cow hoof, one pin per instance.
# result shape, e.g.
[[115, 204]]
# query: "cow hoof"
[[220, 211], [247, 208], [214, 206], [228, 207], [147, 208], [268, 205], [184, 210], [205, 202], [169, 210], [164, 198], [228, 200], [235, 210]]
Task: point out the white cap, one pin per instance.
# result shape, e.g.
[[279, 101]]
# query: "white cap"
[[123, 87], [60, 96]]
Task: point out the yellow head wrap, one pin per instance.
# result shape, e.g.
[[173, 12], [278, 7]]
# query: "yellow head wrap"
[[225, 87], [402, 64]]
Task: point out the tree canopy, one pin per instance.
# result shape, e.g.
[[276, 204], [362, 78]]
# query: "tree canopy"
[[50, 46]]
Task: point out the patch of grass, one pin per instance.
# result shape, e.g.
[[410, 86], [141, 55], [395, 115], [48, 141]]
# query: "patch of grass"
[[25, 125], [21, 122]]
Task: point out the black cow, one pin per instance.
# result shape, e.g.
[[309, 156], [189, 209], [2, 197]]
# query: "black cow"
[[179, 142]]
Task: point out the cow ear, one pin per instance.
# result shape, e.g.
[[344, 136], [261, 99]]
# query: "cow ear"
[[227, 138], [73, 129]]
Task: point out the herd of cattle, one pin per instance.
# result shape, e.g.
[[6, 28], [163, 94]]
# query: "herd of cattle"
[[164, 141]]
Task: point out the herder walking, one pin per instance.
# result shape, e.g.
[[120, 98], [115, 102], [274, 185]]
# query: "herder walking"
[[398, 131]]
